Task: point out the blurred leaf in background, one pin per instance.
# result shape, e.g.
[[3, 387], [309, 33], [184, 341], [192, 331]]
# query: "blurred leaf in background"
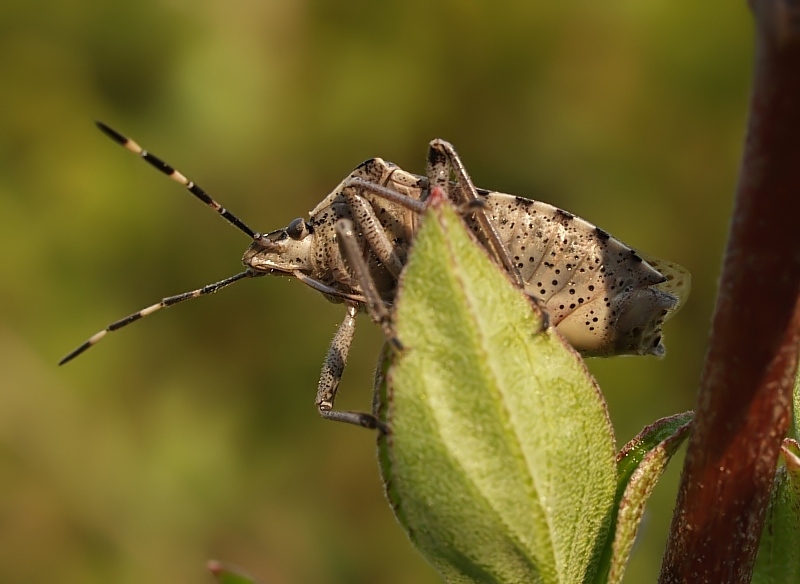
[[193, 434]]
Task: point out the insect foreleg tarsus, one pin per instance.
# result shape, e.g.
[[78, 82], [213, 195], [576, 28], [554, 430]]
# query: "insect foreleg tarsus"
[[331, 375]]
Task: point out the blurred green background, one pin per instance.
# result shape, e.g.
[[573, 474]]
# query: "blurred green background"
[[193, 434]]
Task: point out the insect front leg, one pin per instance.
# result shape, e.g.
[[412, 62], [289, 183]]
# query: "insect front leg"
[[372, 230], [331, 375], [335, 360], [443, 160], [376, 307]]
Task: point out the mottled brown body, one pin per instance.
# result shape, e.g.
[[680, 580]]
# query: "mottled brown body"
[[603, 296]]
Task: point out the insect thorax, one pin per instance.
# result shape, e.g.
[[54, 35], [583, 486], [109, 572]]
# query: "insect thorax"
[[323, 259]]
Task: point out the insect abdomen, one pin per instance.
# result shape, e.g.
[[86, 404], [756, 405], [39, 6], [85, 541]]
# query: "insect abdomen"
[[598, 292]]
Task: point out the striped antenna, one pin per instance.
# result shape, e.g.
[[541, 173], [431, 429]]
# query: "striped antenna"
[[164, 303], [179, 178]]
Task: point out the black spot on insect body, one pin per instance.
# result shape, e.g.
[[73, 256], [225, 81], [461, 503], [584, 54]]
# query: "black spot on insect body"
[[482, 192], [435, 157], [565, 215], [636, 257], [523, 202], [602, 234]]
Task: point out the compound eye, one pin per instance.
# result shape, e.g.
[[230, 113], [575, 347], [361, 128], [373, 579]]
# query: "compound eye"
[[297, 229]]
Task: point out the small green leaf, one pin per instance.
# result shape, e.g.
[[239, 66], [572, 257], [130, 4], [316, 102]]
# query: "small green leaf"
[[778, 559], [640, 464], [632, 454], [499, 461], [227, 574], [795, 431]]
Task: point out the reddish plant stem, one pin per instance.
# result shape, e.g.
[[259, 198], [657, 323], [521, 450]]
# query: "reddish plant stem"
[[744, 403]]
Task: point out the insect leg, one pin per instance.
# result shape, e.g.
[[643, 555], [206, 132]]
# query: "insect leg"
[[370, 226], [385, 192], [444, 160], [336, 358], [372, 230], [164, 303], [376, 307], [331, 375]]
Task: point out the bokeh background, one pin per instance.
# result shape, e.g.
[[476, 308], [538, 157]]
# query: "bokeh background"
[[193, 434]]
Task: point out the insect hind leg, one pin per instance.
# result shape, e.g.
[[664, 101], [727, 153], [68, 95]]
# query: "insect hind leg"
[[444, 161]]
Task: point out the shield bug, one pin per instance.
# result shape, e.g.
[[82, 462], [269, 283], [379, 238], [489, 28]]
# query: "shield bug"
[[603, 296]]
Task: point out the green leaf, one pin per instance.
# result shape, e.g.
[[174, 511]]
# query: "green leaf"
[[778, 559], [227, 574], [795, 431], [499, 461], [640, 464]]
